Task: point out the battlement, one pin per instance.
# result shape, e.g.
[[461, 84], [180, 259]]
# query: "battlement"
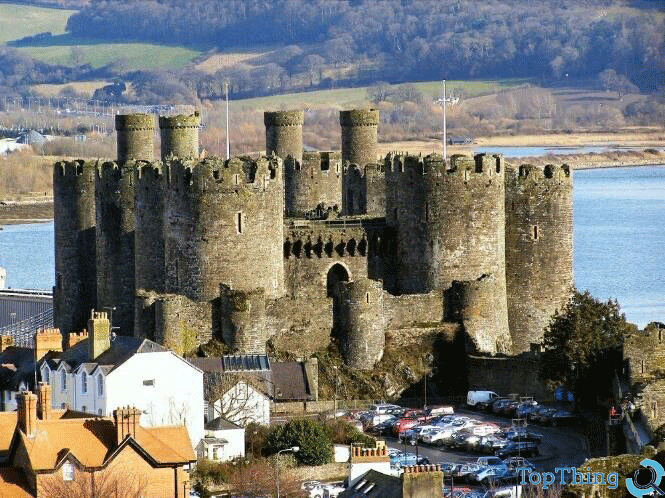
[[359, 117], [284, 118], [180, 121], [134, 122], [112, 170], [313, 162], [149, 170], [325, 244], [480, 164], [529, 172], [217, 174], [73, 168]]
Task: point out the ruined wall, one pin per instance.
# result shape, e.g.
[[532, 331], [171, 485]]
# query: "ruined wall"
[[316, 179], [180, 323], [180, 135], [244, 320], [115, 212], [300, 326], [515, 375], [644, 352], [224, 226], [539, 249], [75, 291], [284, 134], [312, 248], [363, 332], [412, 310], [479, 305]]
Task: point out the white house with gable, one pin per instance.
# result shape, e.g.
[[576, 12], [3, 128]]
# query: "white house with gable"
[[100, 373]]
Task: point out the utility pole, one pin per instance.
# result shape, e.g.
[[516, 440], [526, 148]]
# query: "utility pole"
[[226, 95], [443, 102]]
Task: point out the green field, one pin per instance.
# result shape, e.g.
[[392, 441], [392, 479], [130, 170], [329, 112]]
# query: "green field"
[[17, 21], [134, 55], [351, 97]]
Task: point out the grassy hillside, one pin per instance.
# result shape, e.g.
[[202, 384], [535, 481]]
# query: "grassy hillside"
[[17, 21]]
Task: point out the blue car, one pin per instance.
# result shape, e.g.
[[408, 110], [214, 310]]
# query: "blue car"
[[403, 459]]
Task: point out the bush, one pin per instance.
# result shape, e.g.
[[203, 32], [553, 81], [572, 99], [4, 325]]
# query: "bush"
[[255, 439], [342, 432], [309, 435]]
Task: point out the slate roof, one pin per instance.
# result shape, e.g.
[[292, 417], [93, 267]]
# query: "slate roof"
[[17, 365], [290, 381], [122, 348], [373, 484], [220, 424], [13, 484]]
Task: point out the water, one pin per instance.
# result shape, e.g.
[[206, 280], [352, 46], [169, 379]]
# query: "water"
[[619, 242], [508, 151]]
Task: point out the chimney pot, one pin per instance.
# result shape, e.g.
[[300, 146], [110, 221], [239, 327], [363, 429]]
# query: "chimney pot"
[[27, 413], [44, 400]]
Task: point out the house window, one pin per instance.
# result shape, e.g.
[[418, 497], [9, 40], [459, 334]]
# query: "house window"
[[68, 471], [100, 385], [63, 380], [149, 382], [84, 383]]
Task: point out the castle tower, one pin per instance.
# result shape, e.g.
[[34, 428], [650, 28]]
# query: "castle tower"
[[224, 214], [359, 148], [450, 224], [539, 248], [180, 135], [363, 319], [135, 138], [244, 320], [75, 291], [115, 209], [284, 134], [316, 180]]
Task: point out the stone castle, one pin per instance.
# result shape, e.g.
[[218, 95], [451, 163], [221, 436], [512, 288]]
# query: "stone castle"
[[294, 249]]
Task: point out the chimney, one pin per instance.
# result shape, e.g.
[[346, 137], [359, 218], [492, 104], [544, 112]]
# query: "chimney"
[[47, 340], [44, 400], [74, 338], [126, 420], [422, 481], [27, 413], [5, 342], [99, 335]]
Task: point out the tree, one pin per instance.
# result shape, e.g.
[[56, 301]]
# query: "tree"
[[116, 481], [309, 435], [583, 345], [235, 397]]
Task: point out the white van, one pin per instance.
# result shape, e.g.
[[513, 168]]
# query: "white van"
[[475, 397], [382, 408]]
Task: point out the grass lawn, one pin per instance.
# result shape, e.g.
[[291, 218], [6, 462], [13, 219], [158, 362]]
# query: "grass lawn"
[[349, 97], [17, 21], [134, 55]]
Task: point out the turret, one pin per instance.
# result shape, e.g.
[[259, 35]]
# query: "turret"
[[180, 135], [284, 134], [135, 138]]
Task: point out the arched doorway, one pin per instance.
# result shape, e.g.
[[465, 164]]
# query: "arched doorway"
[[336, 274]]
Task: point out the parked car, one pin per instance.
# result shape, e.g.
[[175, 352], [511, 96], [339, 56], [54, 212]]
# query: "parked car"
[[333, 489], [382, 408], [523, 435], [475, 397], [526, 448], [403, 459], [518, 462], [485, 474], [560, 418], [490, 461]]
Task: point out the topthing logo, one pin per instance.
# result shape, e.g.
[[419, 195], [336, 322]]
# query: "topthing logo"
[[647, 479]]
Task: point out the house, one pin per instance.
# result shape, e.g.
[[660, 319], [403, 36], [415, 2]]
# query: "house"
[[240, 387], [222, 441], [424, 481], [52, 454], [99, 373]]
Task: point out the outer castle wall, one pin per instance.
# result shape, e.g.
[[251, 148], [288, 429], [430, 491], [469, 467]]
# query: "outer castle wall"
[[539, 249], [75, 291]]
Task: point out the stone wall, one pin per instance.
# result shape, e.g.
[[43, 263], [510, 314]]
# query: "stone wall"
[[314, 181], [506, 375], [409, 310], [644, 353], [300, 326], [181, 324], [135, 137]]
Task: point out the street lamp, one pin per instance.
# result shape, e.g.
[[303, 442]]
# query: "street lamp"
[[294, 449]]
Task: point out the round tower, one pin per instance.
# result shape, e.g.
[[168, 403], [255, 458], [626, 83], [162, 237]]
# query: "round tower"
[[363, 318], [75, 291], [284, 134], [316, 180], [244, 320], [115, 210], [539, 249], [222, 215], [135, 139], [180, 135], [359, 148], [479, 306]]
